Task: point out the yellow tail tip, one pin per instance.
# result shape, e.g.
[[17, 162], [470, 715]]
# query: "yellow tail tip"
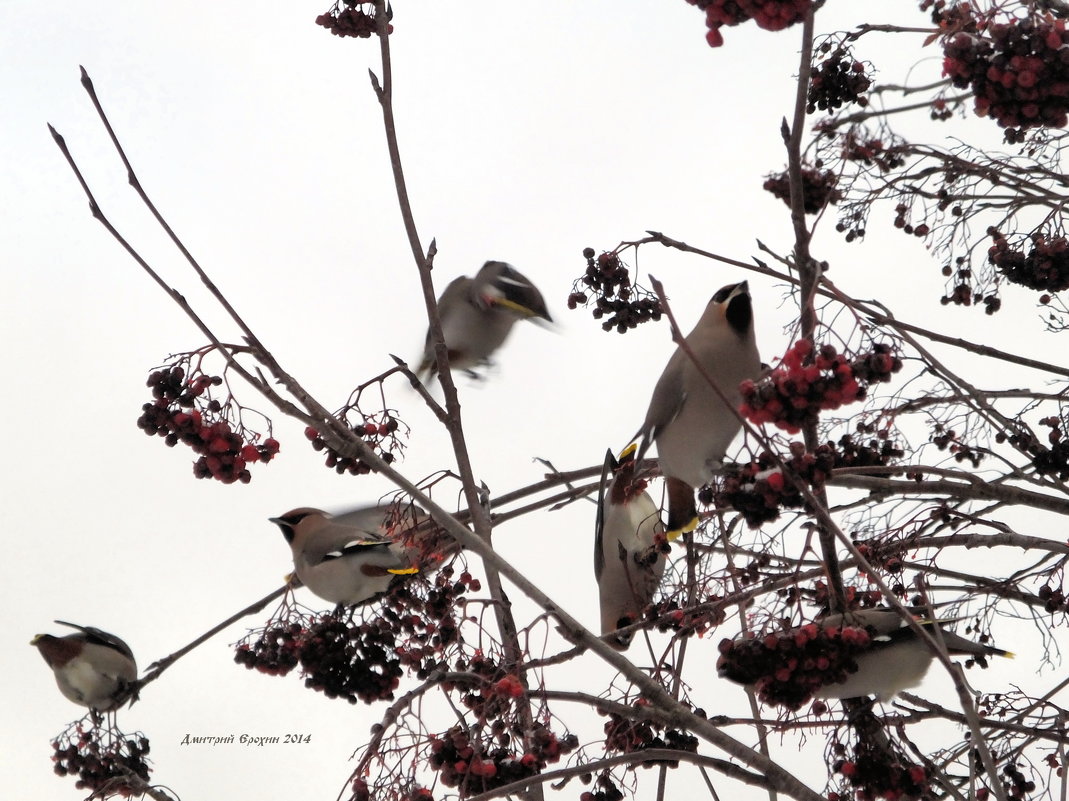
[[674, 533], [1008, 654], [403, 571], [628, 451]]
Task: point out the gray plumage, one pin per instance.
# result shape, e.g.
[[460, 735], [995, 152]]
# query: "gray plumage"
[[898, 659], [627, 565], [478, 313], [686, 417], [343, 560]]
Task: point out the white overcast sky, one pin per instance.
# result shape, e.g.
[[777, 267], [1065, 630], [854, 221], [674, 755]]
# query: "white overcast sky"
[[529, 131]]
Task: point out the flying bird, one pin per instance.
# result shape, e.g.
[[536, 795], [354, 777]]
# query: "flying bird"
[[628, 564], [92, 668], [687, 418], [343, 559], [478, 313]]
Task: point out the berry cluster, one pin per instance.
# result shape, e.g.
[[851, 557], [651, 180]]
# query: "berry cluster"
[[758, 498], [1044, 268], [758, 490], [961, 294], [818, 188], [425, 619], [947, 440], [772, 15], [100, 758], [465, 759], [836, 81], [627, 735], [870, 152], [1046, 461], [275, 651], [1018, 785], [1053, 598], [380, 432], [352, 20], [605, 790], [786, 669], [950, 15], [495, 698], [414, 625], [878, 772], [350, 661], [184, 411], [413, 792], [854, 597], [626, 305], [668, 615], [1049, 461], [1018, 72], [809, 380], [903, 224]]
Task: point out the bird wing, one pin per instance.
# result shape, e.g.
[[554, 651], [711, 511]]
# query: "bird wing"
[[665, 403], [883, 621], [520, 294], [368, 519], [599, 526], [334, 542], [99, 637], [458, 291]]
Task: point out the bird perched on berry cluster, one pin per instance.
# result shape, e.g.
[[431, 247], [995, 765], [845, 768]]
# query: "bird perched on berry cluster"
[[628, 563], [690, 422], [478, 313], [343, 559], [883, 658], [92, 668], [898, 658]]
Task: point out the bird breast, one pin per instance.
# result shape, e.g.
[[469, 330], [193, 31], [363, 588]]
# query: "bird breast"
[[94, 678], [692, 445], [883, 672]]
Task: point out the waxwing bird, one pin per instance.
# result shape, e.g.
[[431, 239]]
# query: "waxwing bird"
[[893, 657], [628, 564], [92, 668], [898, 658], [342, 560], [687, 418], [478, 313]]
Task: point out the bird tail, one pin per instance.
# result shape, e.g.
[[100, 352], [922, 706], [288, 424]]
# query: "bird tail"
[[957, 644], [682, 511]]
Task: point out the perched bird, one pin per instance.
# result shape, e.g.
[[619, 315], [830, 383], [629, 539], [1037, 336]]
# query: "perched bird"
[[688, 420], [343, 559], [478, 313], [898, 658], [832, 658], [92, 668], [627, 562]]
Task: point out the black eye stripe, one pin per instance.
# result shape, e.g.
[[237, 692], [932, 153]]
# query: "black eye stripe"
[[723, 293]]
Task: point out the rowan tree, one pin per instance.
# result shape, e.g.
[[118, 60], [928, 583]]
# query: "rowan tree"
[[880, 453]]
